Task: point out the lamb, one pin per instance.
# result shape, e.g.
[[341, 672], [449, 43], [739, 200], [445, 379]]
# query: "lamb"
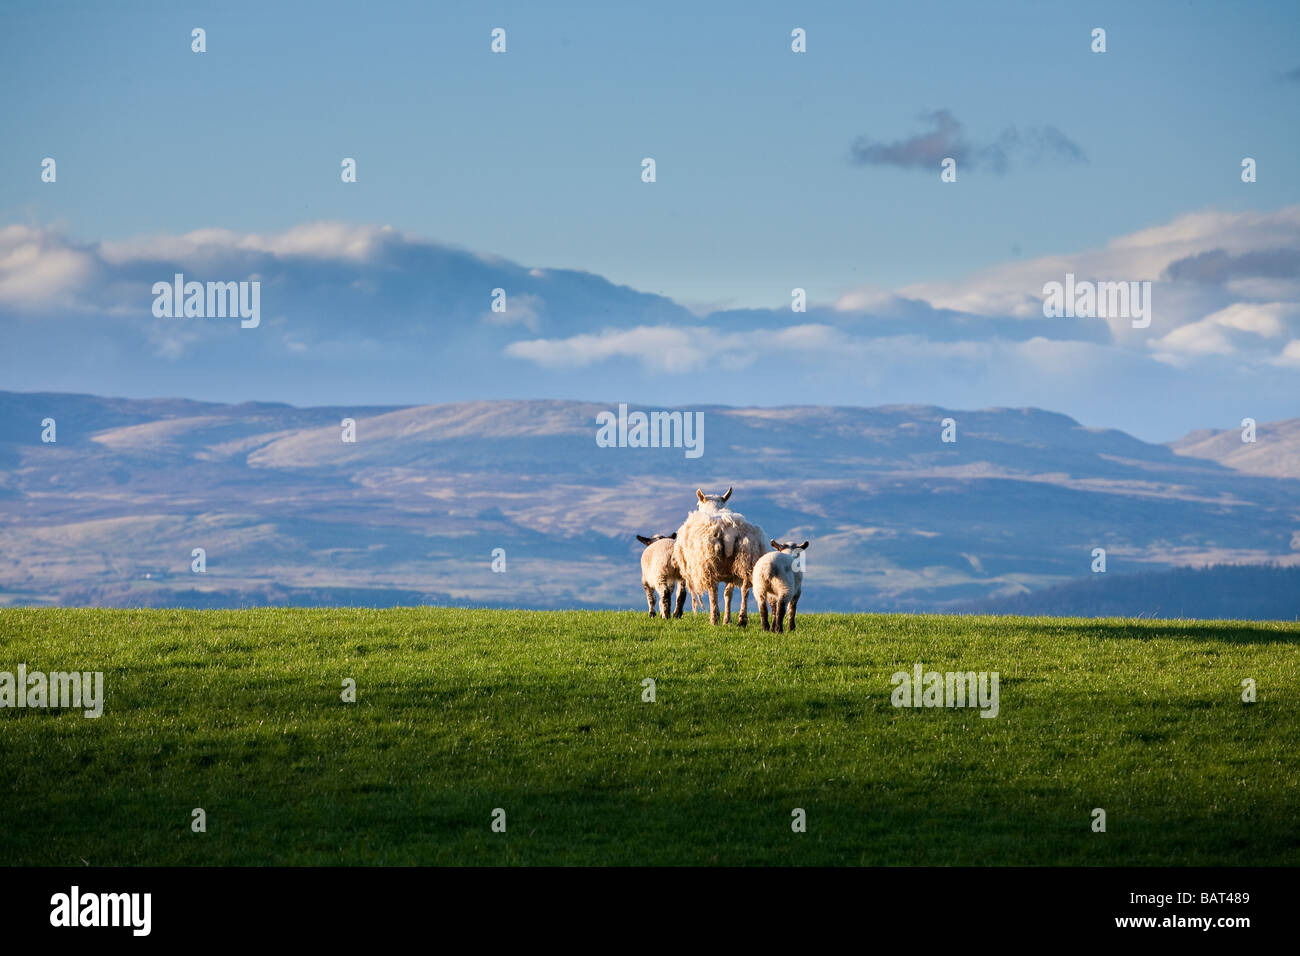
[[659, 574], [778, 582], [718, 546]]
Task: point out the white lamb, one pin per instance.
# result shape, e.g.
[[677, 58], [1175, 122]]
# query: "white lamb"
[[778, 582], [718, 546], [659, 574]]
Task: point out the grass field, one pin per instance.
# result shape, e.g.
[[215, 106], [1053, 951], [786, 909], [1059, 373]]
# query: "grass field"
[[459, 712]]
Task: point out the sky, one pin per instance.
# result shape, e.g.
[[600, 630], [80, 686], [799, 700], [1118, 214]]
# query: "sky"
[[774, 170]]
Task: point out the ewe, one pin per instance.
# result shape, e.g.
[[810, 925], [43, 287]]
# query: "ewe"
[[778, 581], [718, 546], [659, 574]]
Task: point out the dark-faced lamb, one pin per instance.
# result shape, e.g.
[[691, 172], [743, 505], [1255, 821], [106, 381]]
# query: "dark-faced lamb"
[[659, 573], [778, 582]]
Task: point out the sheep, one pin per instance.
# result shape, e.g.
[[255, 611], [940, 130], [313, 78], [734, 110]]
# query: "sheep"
[[778, 582], [659, 574], [718, 546]]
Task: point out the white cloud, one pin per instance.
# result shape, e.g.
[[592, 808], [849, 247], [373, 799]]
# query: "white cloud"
[[313, 240], [866, 299], [670, 349], [39, 270], [1267, 319], [675, 349], [1290, 355], [1014, 289], [1223, 304], [1202, 338], [1192, 317], [1229, 330]]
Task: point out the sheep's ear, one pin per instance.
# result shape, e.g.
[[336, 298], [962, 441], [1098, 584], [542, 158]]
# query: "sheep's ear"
[[804, 546], [673, 536], [773, 543], [726, 496], [699, 494], [643, 539]]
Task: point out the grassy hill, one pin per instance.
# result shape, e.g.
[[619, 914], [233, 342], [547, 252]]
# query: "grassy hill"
[[541, 713]]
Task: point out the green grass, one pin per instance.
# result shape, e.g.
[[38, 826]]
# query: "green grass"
[[540, 713]]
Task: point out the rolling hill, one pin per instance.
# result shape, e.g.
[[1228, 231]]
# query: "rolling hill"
[[412, 511]]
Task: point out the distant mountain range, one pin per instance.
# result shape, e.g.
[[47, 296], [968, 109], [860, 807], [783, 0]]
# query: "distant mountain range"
[[1005, 517], [1224, 591]]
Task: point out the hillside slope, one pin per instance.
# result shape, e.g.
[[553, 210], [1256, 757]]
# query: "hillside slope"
[[542, 714], [1275, 450], [412, 512]]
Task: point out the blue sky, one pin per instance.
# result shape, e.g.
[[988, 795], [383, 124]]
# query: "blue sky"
[[1122, 165], [535, 155]]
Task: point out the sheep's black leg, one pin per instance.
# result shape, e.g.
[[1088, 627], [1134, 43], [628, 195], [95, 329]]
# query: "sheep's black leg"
[[650, 598], [780, 615], [681, 600], [762, 612], [794, 605]]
